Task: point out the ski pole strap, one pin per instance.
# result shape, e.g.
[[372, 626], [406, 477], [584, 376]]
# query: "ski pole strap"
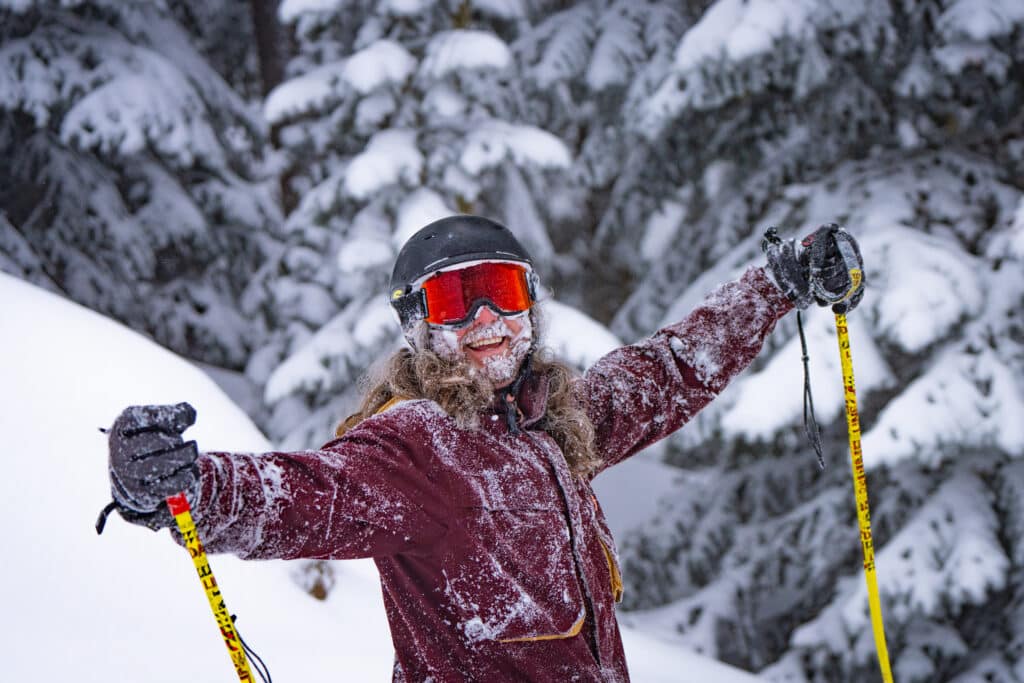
[[860, 488], [810, 421], [183, 516]]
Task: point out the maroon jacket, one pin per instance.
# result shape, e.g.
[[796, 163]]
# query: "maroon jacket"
[[496, 562]]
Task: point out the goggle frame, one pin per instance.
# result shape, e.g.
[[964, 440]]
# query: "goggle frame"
[[413, 303]]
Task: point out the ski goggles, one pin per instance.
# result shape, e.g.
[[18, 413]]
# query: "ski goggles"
[[452, 297]]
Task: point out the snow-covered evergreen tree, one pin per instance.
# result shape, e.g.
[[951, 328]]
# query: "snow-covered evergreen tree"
[[901, 121], [131, 180]]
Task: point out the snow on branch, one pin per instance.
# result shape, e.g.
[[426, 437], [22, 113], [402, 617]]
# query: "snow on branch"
[[964, 400], [742, 47], [1016, 241], [618, 48], [381, 64], [930, 285], [949, 555], [120, 98], [694, 621], [136, 111], [390, 157], [737, 29], [36, 75], [503, 9], [417, 208], [460, 50], [558, 48], [337, 353], [491, 142], [311, 92], [574, 336], [291, 11], [404, 8], [980, 20]]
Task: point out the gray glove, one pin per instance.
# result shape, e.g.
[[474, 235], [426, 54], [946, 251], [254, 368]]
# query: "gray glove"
[[835, 267], [826, 268], [149, 461], [789, 271]]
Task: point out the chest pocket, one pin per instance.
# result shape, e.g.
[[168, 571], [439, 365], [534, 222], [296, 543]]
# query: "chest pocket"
[[518, 581]]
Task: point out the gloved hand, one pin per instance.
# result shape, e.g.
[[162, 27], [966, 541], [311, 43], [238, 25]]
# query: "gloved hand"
[[826, 268], [149, 461], [836, 269], [789, 271]]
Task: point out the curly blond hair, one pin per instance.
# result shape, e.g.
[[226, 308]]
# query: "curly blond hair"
[[464, 394]]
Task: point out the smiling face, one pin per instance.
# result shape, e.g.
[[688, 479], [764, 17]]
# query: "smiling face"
[[492, 343]]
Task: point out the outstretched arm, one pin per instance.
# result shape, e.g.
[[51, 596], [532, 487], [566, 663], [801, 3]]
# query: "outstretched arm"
[[376, 491], [641, 393], [371, 493]]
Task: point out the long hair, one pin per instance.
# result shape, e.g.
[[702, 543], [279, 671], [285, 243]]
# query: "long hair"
[[464, 394]]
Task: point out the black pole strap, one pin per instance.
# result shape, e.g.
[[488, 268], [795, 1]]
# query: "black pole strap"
[[810, 421], [257, 662]]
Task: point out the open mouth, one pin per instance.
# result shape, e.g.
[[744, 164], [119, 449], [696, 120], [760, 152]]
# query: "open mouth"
[[486, 343]]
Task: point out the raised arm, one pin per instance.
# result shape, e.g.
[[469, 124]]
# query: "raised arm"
[[641, 393]]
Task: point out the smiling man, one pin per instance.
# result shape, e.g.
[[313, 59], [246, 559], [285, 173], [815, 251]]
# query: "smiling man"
[[466, 473], [472, 282]]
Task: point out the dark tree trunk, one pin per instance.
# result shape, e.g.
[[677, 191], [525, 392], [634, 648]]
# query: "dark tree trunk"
[[271, 42]]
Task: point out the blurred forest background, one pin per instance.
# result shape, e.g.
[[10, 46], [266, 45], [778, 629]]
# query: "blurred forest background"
[[234, 179]]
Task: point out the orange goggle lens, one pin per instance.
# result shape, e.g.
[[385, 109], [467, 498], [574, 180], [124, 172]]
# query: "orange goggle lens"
[[451, 296]]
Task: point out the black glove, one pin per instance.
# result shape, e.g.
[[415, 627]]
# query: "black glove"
[[149, 461], [836, 269], [790, 272], [826, 269]]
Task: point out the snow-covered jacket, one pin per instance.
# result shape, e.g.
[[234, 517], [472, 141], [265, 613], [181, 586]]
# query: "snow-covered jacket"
[[495, 560]]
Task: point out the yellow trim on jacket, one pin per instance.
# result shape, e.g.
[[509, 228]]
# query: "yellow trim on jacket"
[[574, 631]]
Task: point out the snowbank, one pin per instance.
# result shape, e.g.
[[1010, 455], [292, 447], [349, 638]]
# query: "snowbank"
[[126, 606]]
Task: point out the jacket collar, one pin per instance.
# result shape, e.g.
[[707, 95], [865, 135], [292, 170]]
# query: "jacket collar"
[[530, 401], [533, 398]]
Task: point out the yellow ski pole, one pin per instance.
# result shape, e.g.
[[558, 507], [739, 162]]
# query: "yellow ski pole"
[[183, 516], [860, 488]]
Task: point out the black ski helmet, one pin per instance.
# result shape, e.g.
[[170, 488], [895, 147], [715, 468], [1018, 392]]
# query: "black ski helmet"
[[442, 244]]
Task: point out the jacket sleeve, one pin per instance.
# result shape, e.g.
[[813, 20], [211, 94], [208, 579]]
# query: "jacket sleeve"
[[374, 492], [641, 393]]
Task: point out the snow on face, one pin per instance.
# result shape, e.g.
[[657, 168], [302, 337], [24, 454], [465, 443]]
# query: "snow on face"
[[500, 367]]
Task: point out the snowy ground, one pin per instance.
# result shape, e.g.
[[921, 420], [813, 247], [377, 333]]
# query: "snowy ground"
[[126, 606]]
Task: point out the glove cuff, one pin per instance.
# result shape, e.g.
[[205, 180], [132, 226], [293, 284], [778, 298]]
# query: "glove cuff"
[[788, 273], [158, 519]]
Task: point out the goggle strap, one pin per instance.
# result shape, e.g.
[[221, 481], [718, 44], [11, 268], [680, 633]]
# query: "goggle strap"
[[411, 307]]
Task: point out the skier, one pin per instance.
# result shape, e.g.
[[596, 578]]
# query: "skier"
[[466, 473]]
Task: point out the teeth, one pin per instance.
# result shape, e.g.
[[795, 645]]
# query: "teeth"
[[487, 341]]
